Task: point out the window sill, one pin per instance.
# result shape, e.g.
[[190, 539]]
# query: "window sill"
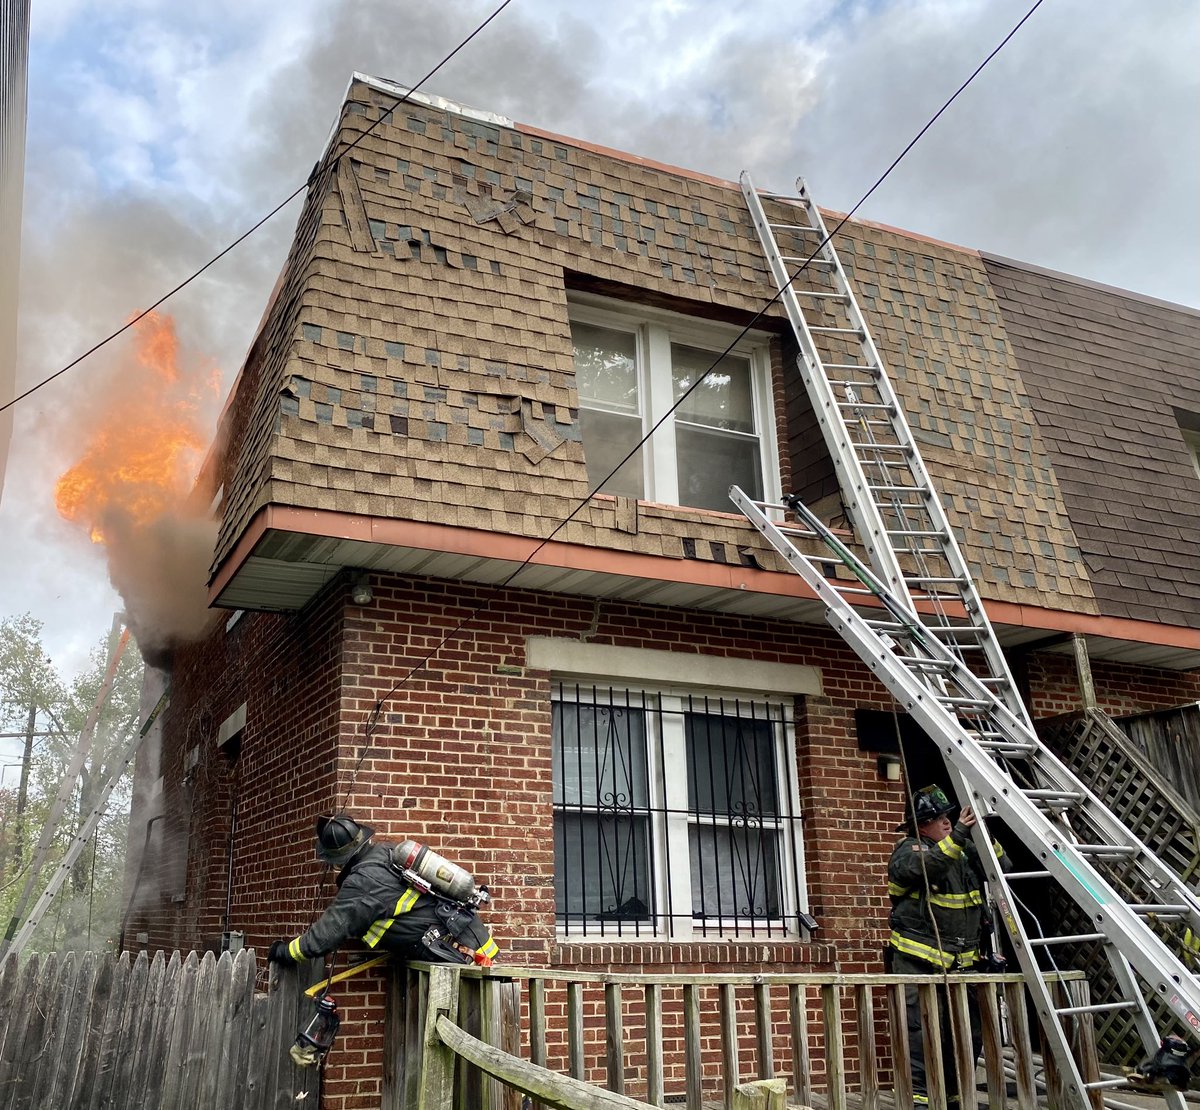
[[730, 954]]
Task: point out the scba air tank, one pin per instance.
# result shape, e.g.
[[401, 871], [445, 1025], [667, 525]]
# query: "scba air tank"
[[445, 877]]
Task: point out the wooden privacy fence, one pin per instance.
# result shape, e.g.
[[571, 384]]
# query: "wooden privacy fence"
[[466, 1039], [98, 1031]]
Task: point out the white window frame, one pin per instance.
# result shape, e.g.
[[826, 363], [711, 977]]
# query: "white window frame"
[[1191, 440], [654, 331], [670, 817]]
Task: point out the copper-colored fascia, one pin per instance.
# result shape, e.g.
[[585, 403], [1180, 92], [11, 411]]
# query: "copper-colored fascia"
[[571, 556], [495, 545]]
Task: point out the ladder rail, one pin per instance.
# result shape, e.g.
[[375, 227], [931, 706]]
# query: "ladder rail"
[[852, 478], [84, 834], [1154, 962]]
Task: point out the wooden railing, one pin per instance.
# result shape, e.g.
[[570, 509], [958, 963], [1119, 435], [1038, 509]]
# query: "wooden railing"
[[466, 1039]]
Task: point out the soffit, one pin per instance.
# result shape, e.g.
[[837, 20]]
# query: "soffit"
[[285, 570]]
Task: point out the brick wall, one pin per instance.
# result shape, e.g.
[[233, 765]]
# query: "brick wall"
[[1120, 689], [460, 756]]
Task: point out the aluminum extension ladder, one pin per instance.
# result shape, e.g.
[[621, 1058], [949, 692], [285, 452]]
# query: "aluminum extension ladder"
[[83, 836], [915, 618]]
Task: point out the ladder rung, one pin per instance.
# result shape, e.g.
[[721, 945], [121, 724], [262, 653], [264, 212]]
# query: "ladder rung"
[[1078, 938], [954, 629], [1103, 1084], [1098, 1007], [1105, 849], [793, 227], [1001, 747], [882, 447], [899, 489], [815, 293], [1026, 875], [814, 261], [884, 405], [1162, 911], [929, 578], [838, 331], [848, 365], [966, 703], [1054, 795]]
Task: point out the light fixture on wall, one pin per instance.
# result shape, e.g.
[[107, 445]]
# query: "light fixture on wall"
[[889, 768], [360, 588]]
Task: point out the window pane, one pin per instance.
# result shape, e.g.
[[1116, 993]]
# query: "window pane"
[[735, 872], [599, 756], [710, 462], [601, 868], [731, 766], [607, 439], [606, 368], [724, 399]]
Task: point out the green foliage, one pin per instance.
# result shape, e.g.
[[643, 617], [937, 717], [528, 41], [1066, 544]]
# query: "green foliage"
[[34, 698]]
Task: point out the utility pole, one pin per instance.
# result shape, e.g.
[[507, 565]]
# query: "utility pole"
[[23, 789]]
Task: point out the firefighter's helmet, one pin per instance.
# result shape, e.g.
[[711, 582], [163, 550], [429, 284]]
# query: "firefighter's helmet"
[[340, 838], [930, 803]]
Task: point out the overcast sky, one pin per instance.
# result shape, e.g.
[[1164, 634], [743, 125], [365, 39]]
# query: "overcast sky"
[[159, 131]]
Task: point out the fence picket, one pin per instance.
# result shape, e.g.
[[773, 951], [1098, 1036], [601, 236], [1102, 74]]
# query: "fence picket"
[[181, 1032], [103, 1063], [964, 1052], [13, 1059], [730, 1067], [692, 1067], [763, 1031], [148, 1078], [614, 1038], [235, 1033], [258, 1058], [898, 1029], [210, 1047], [64, 1025], [868, 1064], [136, 1040], [36, 1053], [993, 1047], [10, 979], [801, 1062], [835, 1052], [655, 1093], [91, 988]]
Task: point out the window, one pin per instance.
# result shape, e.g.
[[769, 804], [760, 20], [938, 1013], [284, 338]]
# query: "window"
[[1189, 430], [632, 367], [1192, 439], [674, 815]]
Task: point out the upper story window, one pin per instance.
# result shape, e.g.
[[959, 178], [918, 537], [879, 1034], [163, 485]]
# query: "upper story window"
[[632, 366], [1192, 439], [1189, 431]]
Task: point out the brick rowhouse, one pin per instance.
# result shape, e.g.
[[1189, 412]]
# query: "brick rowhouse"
[[409, 419]]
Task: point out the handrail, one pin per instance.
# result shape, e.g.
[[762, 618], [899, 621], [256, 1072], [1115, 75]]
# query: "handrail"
[[462, 1037], [548, 1087]]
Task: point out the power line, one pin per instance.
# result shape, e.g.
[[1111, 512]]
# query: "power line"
[[373, 718], [246, 234]]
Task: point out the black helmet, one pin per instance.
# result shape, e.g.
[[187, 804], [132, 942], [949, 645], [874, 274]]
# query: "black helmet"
[[340, 838], [930, 803]]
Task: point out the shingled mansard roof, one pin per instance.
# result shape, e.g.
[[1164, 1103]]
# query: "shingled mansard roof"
[[410, 398]]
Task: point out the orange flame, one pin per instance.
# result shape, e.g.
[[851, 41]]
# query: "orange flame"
[[147, 441]]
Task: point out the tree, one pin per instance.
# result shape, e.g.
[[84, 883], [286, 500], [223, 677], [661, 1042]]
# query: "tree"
[[87, 911]]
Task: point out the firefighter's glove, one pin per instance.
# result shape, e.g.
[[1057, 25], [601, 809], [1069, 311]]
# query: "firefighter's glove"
[[279, 954]]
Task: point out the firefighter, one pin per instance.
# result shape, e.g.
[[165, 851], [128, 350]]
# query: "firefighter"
[[939, 919], [388, 896]]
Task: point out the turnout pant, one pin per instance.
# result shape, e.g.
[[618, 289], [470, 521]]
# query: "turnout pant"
[[902, 964]]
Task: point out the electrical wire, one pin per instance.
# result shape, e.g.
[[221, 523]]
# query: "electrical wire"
[[373, 718], [259, 223]]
